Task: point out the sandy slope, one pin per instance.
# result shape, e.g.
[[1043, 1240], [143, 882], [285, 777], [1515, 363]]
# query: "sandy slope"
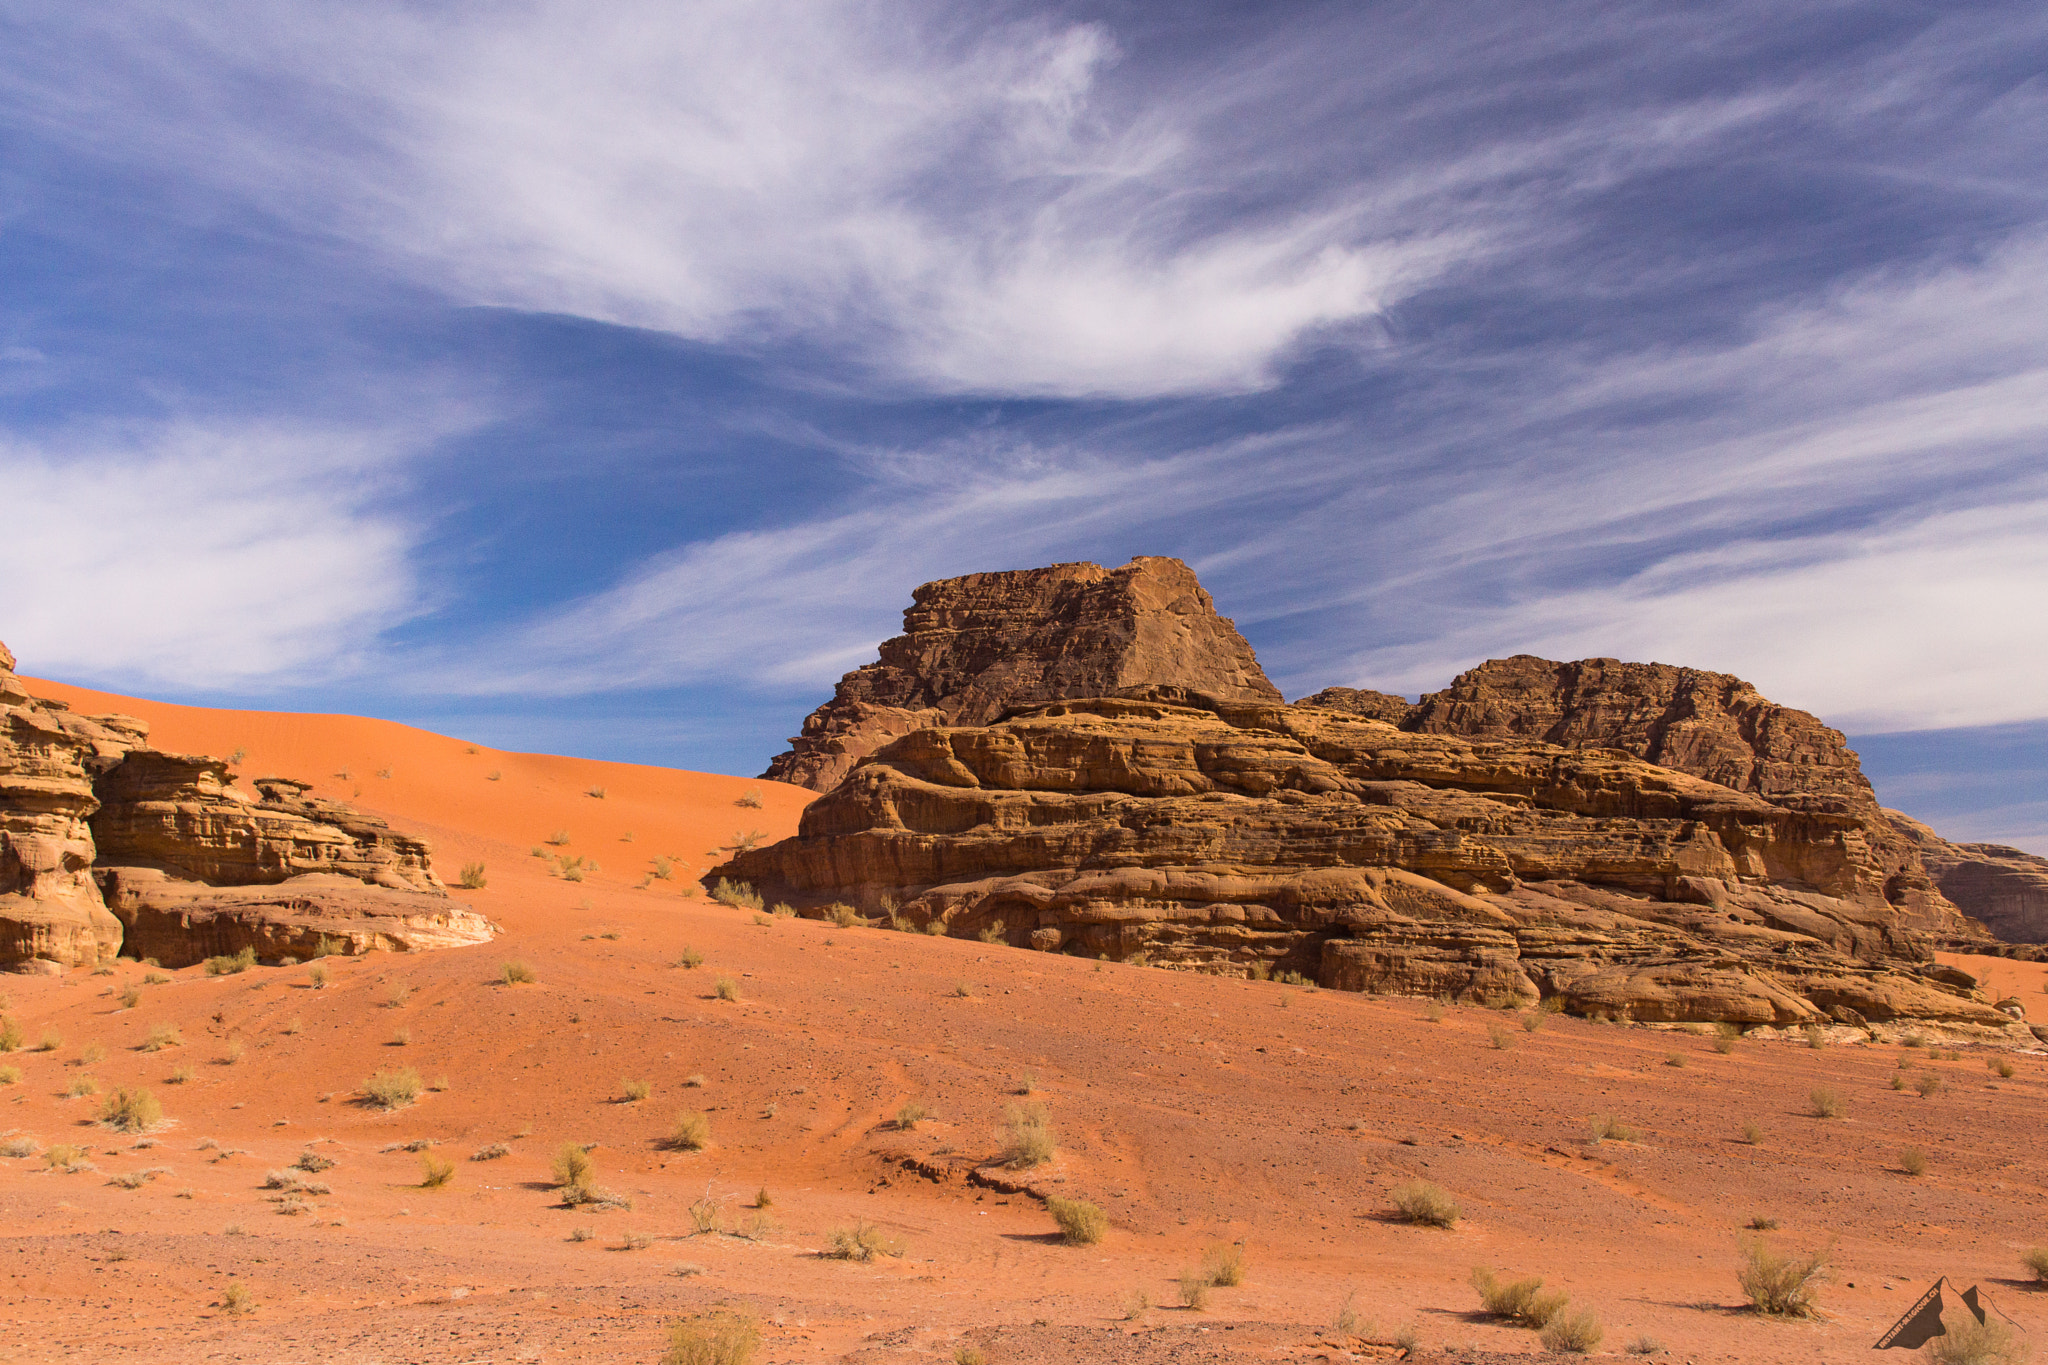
[[1195, 1110]]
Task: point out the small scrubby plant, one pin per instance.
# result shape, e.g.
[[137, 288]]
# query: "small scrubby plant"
[[1927, 1084], [726, 988], [1519, 1301], [572, 1167], [719, 1338], [394, 1089], [1194, 1291], [1826, 1103], [2036, 1262], [910, 1114], [1081, 1223], [1031, 1142], [161, 1036], [131, 1110], [861, 1242], [1572, 1333], [1420, 1202], [517, 974], [691, 1133], [1782, 1286], [1608, 1128], [435, 1171], [738, 895], [232, 963], [1913, 1161], [472, 878], [689, 958], [1224, 1264]]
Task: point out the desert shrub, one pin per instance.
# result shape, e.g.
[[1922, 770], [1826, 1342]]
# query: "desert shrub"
[[1135, 1302], [393, 1089], [845, 916], [10, 1075], [50, 1041], [1725, 1037], [719, 1338], [782, 909], [1572, 1333], [1645, 1345], [726, 988], [80, 1087], [963, 990], [1898, 1083], [582, 1234], [560, 838], [1816, 1037], [663, 869], [1501, 1039], [313, 1163], [763, 920], [1519, 1301], [472, 877], [232, 963], [1913, 1161], [2002, 1066], [1608, 1128], [1782, 1286], [910, 1114], [597, 792], [161, 1036], [401, 1038], [20, 1145], [1759, 1222], [1927, 1084], [1970, 1342], [1433, 1012], [1224, 1264], [1194, 1291], [1674, 1059], [704, 1215], [1532, 1020], [131, 997], [995, 933], [634, 1240], [750, 800], [2036, 1262], [572, 1167], [517, 974], [236, 1299], [435, 1171], [92, 1054], [1752, 1134], [694, 1081], [861, 1242], [738, 895], [63, 1156], [1913, 1040], [689, 958], [131, 1110], [635, 1091], [1826, 1103], [691, 1133], [490, 1152], [1347, 1322], [970, 1355], [155, 978], [1420, 1202], [1081, 1223], [11, 1038], [317, 977], [1031, 1141]]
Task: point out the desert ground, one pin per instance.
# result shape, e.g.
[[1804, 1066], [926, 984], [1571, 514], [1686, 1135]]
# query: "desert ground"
[[1198, 1112]]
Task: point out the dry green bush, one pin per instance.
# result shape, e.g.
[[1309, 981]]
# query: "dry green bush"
[[689, 958], [970, 1355], [1433, 1012], [995, 933], [131, 1110], [472, 877], [1608, 1128], [517, 973], [1030, 1141], [560, 838], [726, 988], [1826, 1103], [435, 1171], [394, 1089], [636, 1091], [161, 1036], [691, 1133], [1759, 1222], [1135, 1303], [1927, 1084], [1674, 1059], [2002, 1066], [2035, 1260], [704, 1215], [1913, 1161], [1572, 1333], [490, 1152], [634, 1240], [313, 1163], [910, 1114], [131, 997], [1225, 1265], [861, 1242], [317, 977], [231, 964], [10, 1075], [719, 1338], [597, 792], [1425, 1204], [20, 1145], [1725, 1038], [62, 1156], [236, 1299], [1194, 1291], [50, 1041], [1816, 1037], [1501, 1039], [80, 1087], [1782, 1286], [1970, 1342], [155, 978], [738, 895], [1081, 1223], [1532, 1020], [573, 1167], [582, 1234], [10, 1034], [1522, 1302]]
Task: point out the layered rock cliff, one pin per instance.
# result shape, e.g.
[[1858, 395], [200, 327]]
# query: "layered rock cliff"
[[108, 846], [2006, 889], [1624, 838], [973, 647]]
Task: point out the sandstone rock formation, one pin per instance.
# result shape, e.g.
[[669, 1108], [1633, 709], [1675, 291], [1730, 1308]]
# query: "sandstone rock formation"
[[974, 647], [2006, 889], [1244, 837], [1712, 725], [109, 846]]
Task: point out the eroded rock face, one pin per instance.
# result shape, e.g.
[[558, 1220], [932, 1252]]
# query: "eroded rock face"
[[107, 845], [1712, 725], [1238, 836], [974, 647], [2005, 889]]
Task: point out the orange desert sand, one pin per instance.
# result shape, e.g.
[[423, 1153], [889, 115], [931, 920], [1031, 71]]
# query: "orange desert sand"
[[1196, 1111]]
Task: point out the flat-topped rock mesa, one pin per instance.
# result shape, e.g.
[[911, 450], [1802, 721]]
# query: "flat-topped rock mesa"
[[108, 847], [976, 646], [1166, 824], [2006, 889]]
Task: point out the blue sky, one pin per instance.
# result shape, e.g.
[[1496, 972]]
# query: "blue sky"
[[602, 379]]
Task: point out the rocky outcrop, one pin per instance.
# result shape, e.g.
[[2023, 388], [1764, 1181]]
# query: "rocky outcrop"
[[1712, 725], [972, 648], [1252, 837], [108, 846], [2006, 889], [1361, 701]]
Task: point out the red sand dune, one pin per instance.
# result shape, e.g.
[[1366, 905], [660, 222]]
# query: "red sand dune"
[[1194, 1110]]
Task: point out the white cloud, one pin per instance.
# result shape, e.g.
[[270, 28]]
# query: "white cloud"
[[197, 554]]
